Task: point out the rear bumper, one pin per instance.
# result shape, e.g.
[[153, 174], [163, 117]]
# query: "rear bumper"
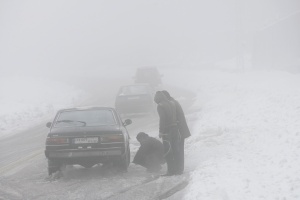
[[81, 157], [82, 154]]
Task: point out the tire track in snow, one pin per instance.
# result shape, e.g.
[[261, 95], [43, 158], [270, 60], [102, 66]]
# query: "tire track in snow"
[[19, 164], [157, 188]]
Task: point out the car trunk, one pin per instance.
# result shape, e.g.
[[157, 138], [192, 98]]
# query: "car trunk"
[[88, 138]]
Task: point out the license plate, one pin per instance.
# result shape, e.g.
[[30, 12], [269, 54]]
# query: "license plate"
[[88, 140]]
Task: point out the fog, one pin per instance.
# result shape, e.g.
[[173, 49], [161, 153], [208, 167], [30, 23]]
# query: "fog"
[[64, 37], [232, 65]]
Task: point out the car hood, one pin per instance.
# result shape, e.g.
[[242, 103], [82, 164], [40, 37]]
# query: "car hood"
[[85, 131]]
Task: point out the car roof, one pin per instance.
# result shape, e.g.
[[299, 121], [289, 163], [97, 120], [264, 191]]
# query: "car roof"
[[87, 108]]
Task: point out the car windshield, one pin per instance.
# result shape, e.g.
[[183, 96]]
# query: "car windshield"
[[85, 118], [133, 90]]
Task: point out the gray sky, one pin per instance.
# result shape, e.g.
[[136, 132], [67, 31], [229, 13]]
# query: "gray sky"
[[51, 35]]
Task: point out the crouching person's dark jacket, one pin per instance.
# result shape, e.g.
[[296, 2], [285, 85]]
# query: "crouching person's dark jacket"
[[150, 153]]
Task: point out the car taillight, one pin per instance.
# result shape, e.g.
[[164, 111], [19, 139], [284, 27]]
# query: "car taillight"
[[57, 141], [112, 138]]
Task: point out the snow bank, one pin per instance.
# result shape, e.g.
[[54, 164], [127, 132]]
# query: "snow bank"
[[27, 100], [246, 143]]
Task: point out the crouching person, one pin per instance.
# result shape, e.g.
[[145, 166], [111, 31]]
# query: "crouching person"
[[150, 154]]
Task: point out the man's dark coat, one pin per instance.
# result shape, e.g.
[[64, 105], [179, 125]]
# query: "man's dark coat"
[[167, 113], [182, 125], [150, 153], [168, 128], [183, 129]]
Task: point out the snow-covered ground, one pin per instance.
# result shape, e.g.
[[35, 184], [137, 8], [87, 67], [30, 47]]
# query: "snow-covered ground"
[[245, 143]]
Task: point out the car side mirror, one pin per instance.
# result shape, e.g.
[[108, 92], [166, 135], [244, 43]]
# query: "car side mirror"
[[127, 122], [49, 124]]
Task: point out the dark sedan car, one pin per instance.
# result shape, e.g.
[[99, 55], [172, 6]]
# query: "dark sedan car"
[[137, 98], [87, 136]]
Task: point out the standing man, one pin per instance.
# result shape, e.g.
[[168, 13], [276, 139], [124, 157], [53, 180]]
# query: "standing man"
[[183, 130], [168, 131], [150, 154]]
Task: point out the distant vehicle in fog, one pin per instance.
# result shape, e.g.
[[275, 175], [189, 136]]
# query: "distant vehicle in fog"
[[136, 98], [148, 75], [87, 136]]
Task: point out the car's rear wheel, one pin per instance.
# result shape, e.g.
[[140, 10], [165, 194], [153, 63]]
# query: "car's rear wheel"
[[53, 166], [124, 161]]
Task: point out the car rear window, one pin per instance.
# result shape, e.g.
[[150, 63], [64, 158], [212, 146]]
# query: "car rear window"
[[133, 90], [85, 118]]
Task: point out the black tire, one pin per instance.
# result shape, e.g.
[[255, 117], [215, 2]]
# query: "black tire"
[[53, 166], [124, 161]]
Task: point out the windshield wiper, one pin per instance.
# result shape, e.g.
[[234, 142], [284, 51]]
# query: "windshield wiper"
[[71, 121]]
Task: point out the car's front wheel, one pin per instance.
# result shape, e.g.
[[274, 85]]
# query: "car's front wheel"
[[53, 166]]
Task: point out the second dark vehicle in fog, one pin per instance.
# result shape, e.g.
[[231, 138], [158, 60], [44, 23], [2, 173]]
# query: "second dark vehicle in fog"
[[136, 98], [87, 136], [149, 75]]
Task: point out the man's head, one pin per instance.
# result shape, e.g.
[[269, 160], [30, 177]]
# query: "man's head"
[[167, 94], [141, 136], [159, 97]]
